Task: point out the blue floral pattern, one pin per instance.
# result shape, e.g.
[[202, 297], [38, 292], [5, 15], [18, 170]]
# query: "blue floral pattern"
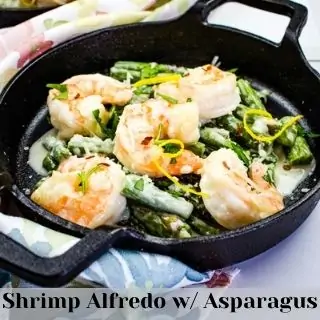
[[115, 269]]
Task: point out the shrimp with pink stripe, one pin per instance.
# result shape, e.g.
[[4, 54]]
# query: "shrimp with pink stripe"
[[141, 126]]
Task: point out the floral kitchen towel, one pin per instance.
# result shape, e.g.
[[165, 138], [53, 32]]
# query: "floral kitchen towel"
[[21, 44], [117, 268]]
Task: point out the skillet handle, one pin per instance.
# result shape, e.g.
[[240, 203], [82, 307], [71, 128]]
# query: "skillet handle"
[[60, 270], [297, 12]]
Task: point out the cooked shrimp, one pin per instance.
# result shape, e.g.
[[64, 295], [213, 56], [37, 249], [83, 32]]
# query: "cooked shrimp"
[[86, 93], [234, 199], [91, 201], [215, 91], [138, 128]]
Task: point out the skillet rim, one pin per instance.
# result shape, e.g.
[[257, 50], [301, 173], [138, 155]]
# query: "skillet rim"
[[129, 230], [20, 9]]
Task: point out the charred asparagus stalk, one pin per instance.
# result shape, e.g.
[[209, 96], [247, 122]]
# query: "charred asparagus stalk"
[[143, 190], [300, 152], [237, 131], [142, 94], [289, 136], [249, 95], [58, 151], [80, 145], [162, 224], [219, 138], [197, 148], [122, 74], [202, 227], [124, 70]]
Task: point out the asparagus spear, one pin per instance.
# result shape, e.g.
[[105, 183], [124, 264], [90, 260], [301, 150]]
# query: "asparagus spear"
[[179, 227], [300, 152], [48, 163], [51, 141], [136, 224], [143, 190], [125, 74], [80, 145], [197, 148], [240, 111], [162, 224], [236, 129], [202, 227], [249, 95], [149, 69], [141, 94], [134, 71], [219, 138], [57, 153], [150, 221], [289, 136]]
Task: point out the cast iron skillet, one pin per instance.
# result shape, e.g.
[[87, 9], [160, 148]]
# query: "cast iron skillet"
[[12, 16], [190, 41]]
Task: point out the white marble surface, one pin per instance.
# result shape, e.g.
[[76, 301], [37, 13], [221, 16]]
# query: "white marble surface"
[[295, 261], [270, 25]]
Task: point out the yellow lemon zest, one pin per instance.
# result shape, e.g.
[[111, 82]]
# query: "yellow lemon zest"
[[156, 80], [177, 183], [162, 143], [266, 114], [160, 128]]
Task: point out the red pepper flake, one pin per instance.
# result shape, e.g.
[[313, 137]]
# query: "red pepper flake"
[[104, 164], [146, 141]]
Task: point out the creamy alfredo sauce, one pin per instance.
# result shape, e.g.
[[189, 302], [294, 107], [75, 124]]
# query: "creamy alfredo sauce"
[[38, 152], [287, 180]]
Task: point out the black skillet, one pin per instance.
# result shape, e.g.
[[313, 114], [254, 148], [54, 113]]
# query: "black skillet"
[[10, 17], [190, 41]]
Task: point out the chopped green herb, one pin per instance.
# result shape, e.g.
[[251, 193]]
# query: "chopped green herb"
[[189, 100], [85, 176], [62, 88], [167, 98], [171, 148], [139, 185], [108, 129], [96, 114], [233, 70], [113, 119], [83, 181]]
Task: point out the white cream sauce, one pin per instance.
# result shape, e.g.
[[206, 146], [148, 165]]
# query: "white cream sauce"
[[288, 180], [38, 152], [260, 126]]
